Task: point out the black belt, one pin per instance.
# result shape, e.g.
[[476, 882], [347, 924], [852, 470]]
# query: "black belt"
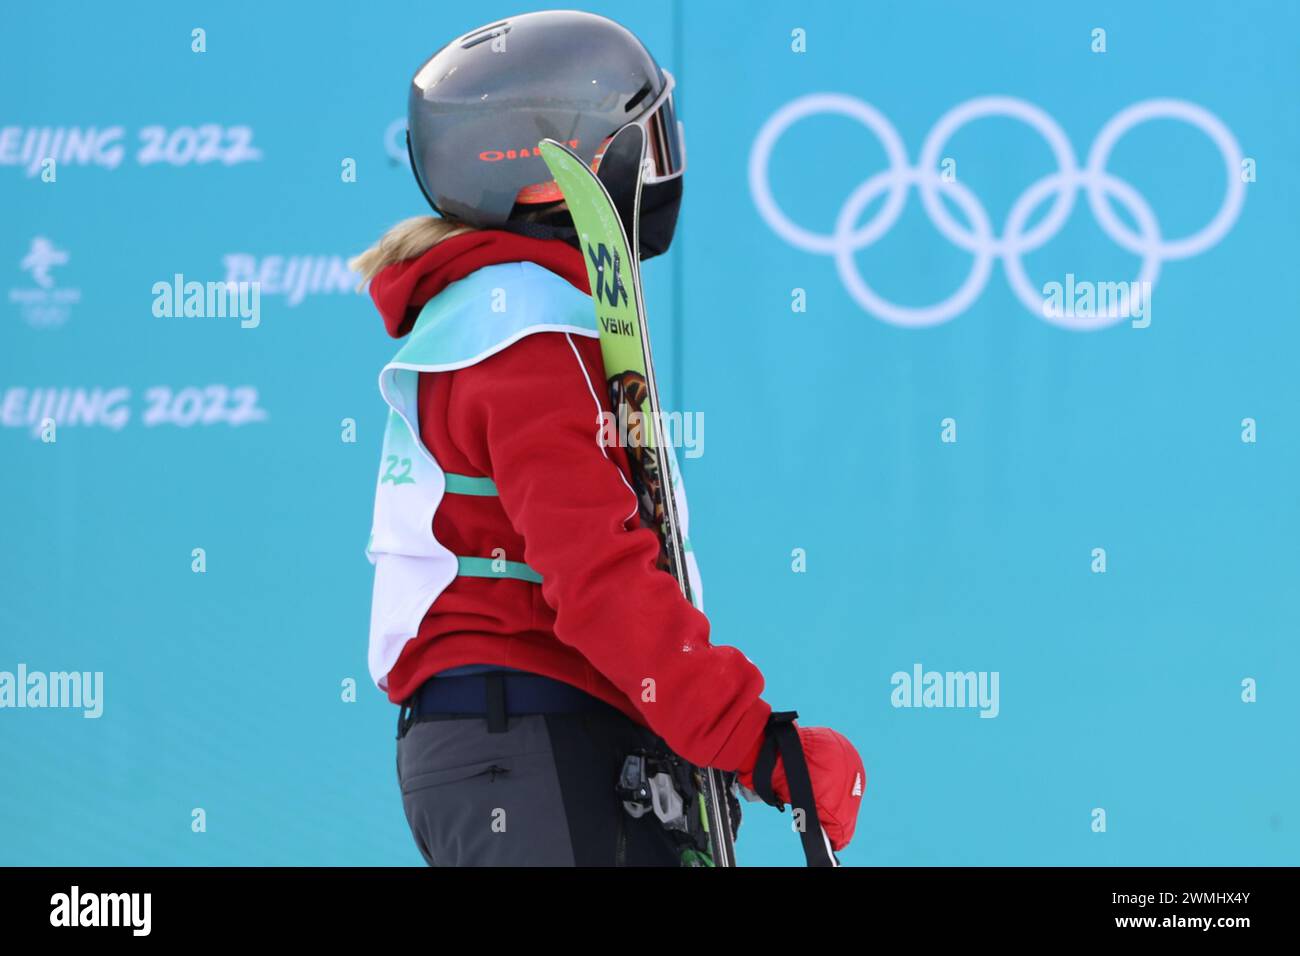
[[496, 695]]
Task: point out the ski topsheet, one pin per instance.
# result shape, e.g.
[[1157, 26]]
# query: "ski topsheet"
[[606, 211]]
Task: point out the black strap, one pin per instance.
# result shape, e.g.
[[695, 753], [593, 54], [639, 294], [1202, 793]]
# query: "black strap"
[[540, 230], [782, 736], [405, 717], [765, 765], [497, 721]]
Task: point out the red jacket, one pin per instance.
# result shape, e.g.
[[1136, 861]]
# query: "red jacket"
[[605, 619]]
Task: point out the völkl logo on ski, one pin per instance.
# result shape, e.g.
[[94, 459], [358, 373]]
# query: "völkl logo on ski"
[[609, 285]]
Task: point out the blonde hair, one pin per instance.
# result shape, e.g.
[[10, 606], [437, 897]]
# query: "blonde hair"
[[406, 240]]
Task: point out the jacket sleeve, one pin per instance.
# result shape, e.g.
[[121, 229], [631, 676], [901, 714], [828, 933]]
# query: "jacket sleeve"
[[529, 417]]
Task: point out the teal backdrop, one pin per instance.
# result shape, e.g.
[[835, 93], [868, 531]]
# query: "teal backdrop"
[[844, 536]]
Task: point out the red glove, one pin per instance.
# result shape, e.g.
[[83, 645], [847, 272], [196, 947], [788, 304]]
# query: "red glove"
[[838, 781]]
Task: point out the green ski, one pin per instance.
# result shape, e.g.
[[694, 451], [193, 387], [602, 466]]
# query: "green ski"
[[606, 210]]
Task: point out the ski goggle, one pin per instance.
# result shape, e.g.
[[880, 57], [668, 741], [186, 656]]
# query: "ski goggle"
[[665, 149]]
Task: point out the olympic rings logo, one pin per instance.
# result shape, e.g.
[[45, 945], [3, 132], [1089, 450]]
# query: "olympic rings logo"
[[979, 238]]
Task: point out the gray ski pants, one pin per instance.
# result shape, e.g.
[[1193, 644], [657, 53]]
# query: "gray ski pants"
[[540, 794]]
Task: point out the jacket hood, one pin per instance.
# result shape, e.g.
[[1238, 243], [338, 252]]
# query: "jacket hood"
[[402, 289]]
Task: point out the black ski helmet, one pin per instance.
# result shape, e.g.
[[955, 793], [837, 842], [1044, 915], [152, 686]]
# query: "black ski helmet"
[[481, 104]]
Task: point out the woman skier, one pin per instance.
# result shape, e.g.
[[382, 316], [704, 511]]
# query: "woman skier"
[[519, 616]]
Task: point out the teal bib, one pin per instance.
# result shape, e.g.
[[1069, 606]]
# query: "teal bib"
[[467, 322]]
